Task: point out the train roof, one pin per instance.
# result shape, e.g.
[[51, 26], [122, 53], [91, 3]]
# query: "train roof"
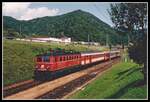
[[58, 53], [91, 53], [97, 52]]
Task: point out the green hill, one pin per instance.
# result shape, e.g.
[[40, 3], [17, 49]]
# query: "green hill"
[[77, 25]]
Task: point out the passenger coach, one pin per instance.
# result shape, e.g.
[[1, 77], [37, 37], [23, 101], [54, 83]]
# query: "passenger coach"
[[55, 61]]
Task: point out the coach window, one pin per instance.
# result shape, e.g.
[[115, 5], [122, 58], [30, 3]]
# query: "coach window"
[[60, 59], [55, 59], [64, 58], [71, 57]]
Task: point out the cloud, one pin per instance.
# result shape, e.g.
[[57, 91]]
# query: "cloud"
[[15, 9], [39, 12], [22, 11]]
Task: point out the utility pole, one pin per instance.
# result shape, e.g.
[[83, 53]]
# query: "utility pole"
[[107, 40], [47, 28], [88, 40], [128, 40], [20, 29]]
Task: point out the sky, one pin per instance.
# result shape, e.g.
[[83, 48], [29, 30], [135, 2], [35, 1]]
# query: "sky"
[[31, 10]]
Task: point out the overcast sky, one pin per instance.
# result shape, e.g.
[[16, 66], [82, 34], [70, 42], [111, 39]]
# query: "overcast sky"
[[30, 10]]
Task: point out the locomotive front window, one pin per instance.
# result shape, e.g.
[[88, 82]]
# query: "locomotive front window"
[[39, 59], [46, 59]]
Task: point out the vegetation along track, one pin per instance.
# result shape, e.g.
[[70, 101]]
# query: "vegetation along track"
[[62, 86]]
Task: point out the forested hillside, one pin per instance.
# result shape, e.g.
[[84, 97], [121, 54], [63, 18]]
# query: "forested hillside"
[[77, 25]]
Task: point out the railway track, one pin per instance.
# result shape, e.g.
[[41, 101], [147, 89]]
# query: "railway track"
[[57, 88], [20, 86], [78, 84], [17, 84]]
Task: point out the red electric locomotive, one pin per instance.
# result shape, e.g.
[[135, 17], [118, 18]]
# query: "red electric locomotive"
[[55, 62]]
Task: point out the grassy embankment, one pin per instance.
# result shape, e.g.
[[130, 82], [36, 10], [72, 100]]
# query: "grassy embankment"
[[18, 57], [121, 82]]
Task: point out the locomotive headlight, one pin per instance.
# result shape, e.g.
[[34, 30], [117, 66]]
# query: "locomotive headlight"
[[42, 66], [48, 67], [36, 66]]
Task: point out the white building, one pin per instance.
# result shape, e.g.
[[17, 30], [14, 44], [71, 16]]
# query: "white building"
[[65, 40], [89, 43], [50, 39]]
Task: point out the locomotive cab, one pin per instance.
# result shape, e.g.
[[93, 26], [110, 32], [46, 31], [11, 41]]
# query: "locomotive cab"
[[43, 66], [43, 62], [54, 61]]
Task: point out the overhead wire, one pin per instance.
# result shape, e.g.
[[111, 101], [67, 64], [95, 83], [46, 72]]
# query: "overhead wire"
[[101, 14]]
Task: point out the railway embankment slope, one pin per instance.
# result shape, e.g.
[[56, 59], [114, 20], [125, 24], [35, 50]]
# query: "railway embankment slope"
[[123, 81]]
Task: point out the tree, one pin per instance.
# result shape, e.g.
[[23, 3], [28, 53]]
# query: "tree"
[[131, 18], [138, 52]]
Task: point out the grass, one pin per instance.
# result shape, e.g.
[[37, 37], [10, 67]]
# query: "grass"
[[136, 92], [17, 62], [117, 83], [18, 57]]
